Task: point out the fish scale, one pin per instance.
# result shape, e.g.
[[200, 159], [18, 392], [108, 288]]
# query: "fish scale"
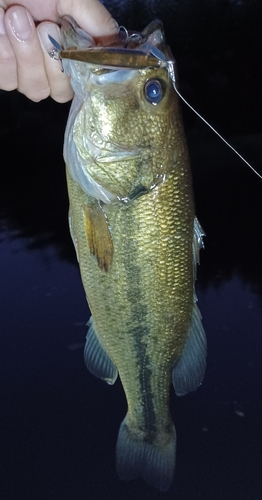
[[112, 296]]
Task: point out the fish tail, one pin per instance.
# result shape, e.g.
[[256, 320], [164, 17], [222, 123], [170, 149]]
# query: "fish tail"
[[137, 457]]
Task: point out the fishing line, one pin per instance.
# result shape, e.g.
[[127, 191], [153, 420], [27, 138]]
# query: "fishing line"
[[169, 64], [171, 72]]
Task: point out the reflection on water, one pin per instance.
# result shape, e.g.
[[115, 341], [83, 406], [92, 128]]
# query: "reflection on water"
[[58, 423], [229, 206], [33, 198], [37, 293]]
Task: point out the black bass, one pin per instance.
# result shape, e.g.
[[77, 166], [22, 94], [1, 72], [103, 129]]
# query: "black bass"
[[132, 221]]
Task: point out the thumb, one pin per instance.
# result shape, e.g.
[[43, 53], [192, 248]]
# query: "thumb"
[[91, 15]]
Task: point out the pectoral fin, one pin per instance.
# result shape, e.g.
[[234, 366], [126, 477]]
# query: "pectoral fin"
[[96, 358], [189, 370], [98, 236]]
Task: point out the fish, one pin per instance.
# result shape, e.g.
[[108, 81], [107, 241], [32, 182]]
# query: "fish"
[[137, 239]]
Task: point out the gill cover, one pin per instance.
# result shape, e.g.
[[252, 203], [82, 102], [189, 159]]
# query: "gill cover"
[[123, 55]]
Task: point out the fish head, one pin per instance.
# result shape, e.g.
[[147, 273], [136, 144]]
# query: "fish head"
[[126, 121]]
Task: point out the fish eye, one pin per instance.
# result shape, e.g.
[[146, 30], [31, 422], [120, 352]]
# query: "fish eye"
[[153, 91]]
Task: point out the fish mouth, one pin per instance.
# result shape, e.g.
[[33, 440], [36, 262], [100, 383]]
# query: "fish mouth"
[[126, 49]]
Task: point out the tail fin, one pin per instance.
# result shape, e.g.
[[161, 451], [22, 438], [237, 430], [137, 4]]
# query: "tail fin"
[[135, 457]]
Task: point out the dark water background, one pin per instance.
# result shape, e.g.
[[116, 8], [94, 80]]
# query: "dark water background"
[[58, 424]]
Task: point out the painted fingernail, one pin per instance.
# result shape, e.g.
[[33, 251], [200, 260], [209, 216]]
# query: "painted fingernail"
[[20, 24], [45, 30]]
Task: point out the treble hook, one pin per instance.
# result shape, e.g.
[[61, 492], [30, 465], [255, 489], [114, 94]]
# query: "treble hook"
[[122, 28], [136, 37]]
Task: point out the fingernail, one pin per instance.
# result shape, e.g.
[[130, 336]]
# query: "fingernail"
[[20, 24], [2, 26], [113, 26], [48, 29]]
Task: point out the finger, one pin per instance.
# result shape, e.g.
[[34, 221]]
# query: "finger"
[[91, 15], [22, 35], [59, 82], [8, 69]]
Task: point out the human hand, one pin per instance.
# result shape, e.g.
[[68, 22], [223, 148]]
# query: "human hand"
[[25, 63]]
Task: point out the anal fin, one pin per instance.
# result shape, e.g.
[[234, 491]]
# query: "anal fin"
[[96, 358]]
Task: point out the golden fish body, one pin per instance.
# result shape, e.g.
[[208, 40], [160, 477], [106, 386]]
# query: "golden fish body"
[[132, 223]]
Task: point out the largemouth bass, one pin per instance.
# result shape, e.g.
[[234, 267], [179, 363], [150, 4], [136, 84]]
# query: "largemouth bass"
[[132, 221]]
